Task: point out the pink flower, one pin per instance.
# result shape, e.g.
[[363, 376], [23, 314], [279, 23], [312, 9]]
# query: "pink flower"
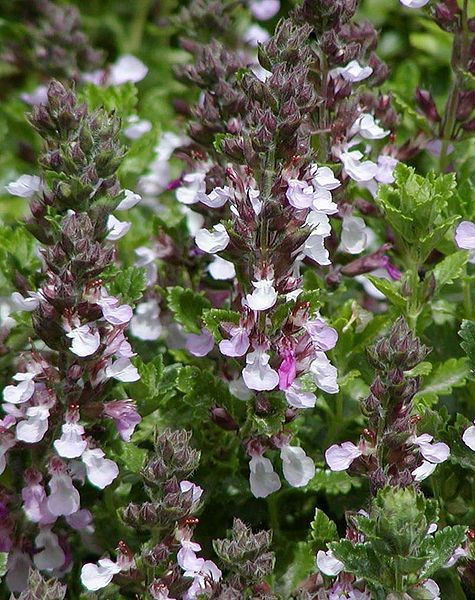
[[287, 370], [238, 345], [323, 337]]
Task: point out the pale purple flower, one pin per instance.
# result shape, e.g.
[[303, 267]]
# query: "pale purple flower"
[[423, 471], [25, 186], [18, 568], [127, 68], [433, 452], [323, 177], [79, 520], [298, 468], [264, 295], [323, 337], [366, 126], [465, 235], [123, 370], [264, 10], [221, 269], [414, 3], [22, 392], [200, 344], [34, 427], [356, 169], [117, 229], [257, 373], [34, 499], [64, 498], [101, 471], [85, 340], [255, 34], [136, 127], [238, 345], [193, 186], [468, 437], [324, 373], [263, 479], [216, 198], [300, 194], [340, 456], [95, 577], [299, 398], [114, 313], [125, 415], [28, 304], [71, 444], [130, 200], [287, 370], [386, 166], [354, 237], [212, 241], [38, 96], [146, 324], [51, 555], [328, 564], [196, 491], [352, 72], [430, 585]]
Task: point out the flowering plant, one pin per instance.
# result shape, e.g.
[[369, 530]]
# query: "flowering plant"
[[237, 338]]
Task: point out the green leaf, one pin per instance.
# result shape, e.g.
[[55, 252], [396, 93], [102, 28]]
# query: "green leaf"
[[449, 374], [131, 456], [467, 333], [390, 289], [3, 563], [148, 388], [129, 284], [450, 269], [332, 483], [213, 317], [187, 307], [119, 98], [322, 530], [439, 548]]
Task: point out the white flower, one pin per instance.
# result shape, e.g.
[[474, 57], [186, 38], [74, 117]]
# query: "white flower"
[[127, 68], [354, 238], [34, 427], [216, 198], [193, 187], [129, 201], [101, 471], [422, 472], [315, 249], [137, 128], [263, 479], [25, 186], [339, 457], [123, 370], [357, 170], [264, 295], [433, 452], [85, 340], [353, 72], [298, 468], [386, 166], [212, 241], [145, 324], [51, 555], [257, 373], [27, 304], [113, 312], [298, 398], [71, 444], [468, 437], [255, 34], [465, 235], [300, 194], [324, 373], [264, 9], [366, 126], [17, 394], [319, 222], [239, 389], [64, 497], [95, 577], [323, 177], [328, 564], [221, 269], [430, 585], [117, 229], [414, 3]]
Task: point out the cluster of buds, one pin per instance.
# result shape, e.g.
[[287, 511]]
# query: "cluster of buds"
[[390, 451], [62, 390], [53, 44], [168, 518], [258, 204], [41, 589]]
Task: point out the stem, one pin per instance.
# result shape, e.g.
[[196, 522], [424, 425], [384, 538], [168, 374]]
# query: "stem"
[[138, 25]]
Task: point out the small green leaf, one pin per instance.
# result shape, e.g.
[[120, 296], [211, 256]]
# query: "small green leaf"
[[129, 284], [213, 317], [188, 307], [322, 530], [390, 289], [467, 333], [450, 269]]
